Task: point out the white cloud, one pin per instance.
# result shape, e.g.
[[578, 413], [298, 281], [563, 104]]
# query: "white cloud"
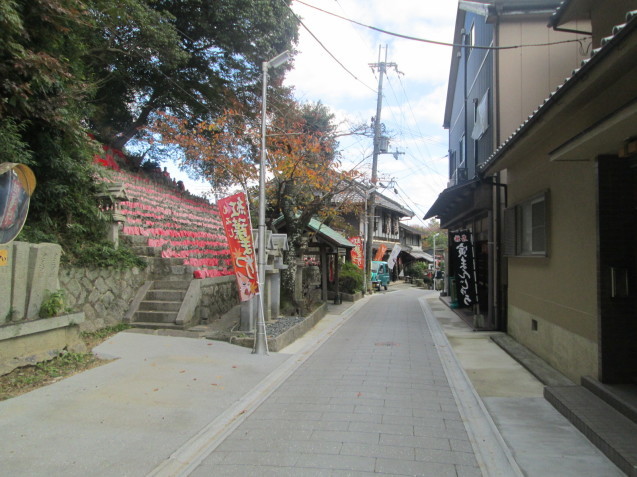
[[413, 105]]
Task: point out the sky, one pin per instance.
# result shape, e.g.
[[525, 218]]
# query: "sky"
[[414, 92]]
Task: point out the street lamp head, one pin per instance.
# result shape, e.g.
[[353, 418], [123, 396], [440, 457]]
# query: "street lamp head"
[[279, 59]]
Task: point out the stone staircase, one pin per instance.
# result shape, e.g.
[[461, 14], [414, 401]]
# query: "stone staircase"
[[159, 308], [605, 414], [178, 235]]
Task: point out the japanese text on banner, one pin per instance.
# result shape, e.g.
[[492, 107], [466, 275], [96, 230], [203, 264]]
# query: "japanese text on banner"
[[235, 216]]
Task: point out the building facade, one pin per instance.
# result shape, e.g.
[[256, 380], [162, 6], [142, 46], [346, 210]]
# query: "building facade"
[[496, 80], [571, 213]]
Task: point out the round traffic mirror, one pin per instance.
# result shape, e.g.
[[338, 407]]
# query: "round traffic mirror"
[[17, 183]]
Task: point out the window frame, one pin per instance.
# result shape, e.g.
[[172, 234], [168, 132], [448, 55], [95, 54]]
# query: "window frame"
[[518, 240]]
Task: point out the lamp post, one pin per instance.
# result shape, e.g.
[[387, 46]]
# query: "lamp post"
[[261, 344], [434, 280]]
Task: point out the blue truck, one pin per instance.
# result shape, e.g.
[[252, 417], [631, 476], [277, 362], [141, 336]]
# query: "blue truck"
[[380, 274]]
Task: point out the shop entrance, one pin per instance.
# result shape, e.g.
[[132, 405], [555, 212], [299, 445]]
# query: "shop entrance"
[[617, 266]]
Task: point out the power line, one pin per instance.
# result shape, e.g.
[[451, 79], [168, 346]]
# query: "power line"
[[325, 48], [434, 42]]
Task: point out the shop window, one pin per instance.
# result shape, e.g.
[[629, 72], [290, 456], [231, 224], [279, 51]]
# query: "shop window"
[[526, 228]]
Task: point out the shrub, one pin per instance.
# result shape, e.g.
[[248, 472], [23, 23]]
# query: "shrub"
[[417, 269], [350, 278], [53, 305]]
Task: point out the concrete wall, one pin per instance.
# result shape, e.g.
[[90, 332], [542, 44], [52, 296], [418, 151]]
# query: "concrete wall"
[[526, 76], [559, 291]]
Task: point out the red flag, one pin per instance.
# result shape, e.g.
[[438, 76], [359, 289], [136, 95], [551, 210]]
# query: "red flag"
[[235, 216], [358, 257]]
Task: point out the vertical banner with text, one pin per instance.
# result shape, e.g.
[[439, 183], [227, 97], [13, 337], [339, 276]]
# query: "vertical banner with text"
[[380, 253], [462, 249], [358, 257], [235, 216]]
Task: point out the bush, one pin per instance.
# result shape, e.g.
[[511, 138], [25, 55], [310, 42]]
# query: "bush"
[[417, 270], [350, 278]]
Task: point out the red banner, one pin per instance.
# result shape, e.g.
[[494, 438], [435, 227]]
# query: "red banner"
[[380, 253], [358, 255], [235, 216]]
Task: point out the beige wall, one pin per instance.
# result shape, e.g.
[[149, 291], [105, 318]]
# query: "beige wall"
[[528, 75], [559, 291]]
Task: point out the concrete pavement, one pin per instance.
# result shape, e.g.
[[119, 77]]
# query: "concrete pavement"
[[375, 387]]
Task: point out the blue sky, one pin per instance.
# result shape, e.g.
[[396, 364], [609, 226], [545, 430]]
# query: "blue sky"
[[413, 100]]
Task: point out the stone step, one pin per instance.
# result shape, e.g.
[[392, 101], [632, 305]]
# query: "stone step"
[[170, 285], [156, 305], [154, 317], [157, 326], [622, 397], [608, 429], [165, 295]]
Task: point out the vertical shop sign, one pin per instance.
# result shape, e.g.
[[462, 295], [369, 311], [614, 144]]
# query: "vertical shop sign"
[[462, 247], [380, 253], [235, 216], [357, 251]]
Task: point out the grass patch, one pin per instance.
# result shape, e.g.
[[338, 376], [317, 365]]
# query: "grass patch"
[[28, 378]]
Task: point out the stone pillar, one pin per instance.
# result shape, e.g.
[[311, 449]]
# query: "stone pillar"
[[6, 265], [298, 282], [274, 294], [44, 264], [249, 310], [267, 295], [20, 273]]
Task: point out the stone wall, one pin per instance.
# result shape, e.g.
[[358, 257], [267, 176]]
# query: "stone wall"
[[218, 296], [103, 294]]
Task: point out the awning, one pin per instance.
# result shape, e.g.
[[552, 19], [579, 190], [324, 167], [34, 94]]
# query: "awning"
[[460, 201], [417, 253], [329, 235]]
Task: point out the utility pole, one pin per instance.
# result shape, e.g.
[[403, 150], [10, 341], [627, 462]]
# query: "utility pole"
[[371, 207]]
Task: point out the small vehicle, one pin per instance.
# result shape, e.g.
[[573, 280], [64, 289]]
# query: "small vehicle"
[[380, 274]]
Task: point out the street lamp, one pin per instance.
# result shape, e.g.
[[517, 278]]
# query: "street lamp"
[[261, 344]]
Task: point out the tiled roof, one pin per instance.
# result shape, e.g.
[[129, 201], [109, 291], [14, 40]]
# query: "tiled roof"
[[607, 43]]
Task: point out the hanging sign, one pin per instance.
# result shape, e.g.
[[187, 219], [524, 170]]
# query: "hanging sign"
[[235, 216], [462, 250], [394, 255], [380, 253], [358, 257]]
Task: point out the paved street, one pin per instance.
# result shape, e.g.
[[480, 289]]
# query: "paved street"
[[395, 384], [375, 398]]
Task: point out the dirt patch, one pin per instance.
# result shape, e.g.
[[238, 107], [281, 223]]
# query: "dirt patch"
[[28, 378]]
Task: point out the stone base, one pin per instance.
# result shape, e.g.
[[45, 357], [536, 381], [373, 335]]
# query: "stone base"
[[31, 342]]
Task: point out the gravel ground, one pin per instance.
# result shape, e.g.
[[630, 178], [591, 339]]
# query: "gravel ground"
[[282, 324]]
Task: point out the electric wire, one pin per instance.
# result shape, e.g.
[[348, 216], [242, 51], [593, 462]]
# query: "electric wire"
[[435, 42], [326, 49]]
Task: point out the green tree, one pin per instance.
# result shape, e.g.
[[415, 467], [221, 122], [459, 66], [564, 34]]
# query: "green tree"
[[44, 100], [192, 58]]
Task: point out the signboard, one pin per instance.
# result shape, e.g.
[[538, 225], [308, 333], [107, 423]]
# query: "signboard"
[[394, 255], [235, 215], [358, 255], [462, 250], [380, 253]]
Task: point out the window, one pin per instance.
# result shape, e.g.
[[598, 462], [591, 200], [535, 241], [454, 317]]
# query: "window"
[[525, 228]]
